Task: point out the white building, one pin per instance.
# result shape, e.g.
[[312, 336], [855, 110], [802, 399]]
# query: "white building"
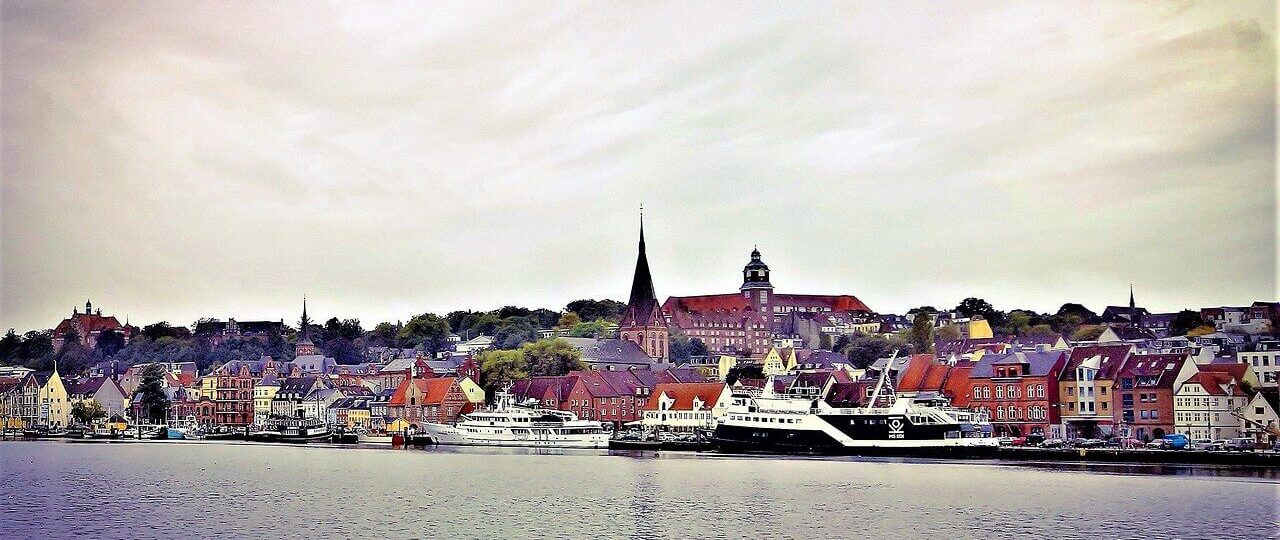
[[1204, 403], [1265, 361], [478, 343], [1261, 417], [686, 406]]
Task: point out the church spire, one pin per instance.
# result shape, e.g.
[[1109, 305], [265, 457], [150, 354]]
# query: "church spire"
[[642, 321], [1132, 305]]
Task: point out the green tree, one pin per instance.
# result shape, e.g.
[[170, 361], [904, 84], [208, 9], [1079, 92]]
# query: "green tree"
[[9, 345], [430, 331], [109, 342], [920, 335], [1086, 316], [1087, 332], [949, 332], [552, 357], [1185, 321], [150, 394], [591, 310], [1016, 323], [598, 328], [569, 320], [499, 368], [862, 350], [1041, 331], [383, 335], [698, 348], [514, 332], [744, 371], [87, 411]]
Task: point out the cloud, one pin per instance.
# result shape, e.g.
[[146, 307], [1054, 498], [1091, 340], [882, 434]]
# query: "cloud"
[[204, 161]]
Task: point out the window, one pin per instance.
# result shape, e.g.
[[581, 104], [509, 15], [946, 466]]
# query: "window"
[[999, 392], [1039, 390]]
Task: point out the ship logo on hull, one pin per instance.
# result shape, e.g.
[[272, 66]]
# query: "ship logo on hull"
[[895, 428]]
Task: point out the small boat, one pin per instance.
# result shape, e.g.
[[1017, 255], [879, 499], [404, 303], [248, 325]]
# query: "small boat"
[[375, 438], [44, 433], [104, 434], [175, 434], [223, 436], [293, 430], [632, 444], [344, 437]]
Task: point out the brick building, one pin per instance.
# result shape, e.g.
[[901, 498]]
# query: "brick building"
[[1143, 395], [1019, 390]]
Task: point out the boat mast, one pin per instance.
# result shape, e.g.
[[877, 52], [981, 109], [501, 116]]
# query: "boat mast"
[[884, 377]]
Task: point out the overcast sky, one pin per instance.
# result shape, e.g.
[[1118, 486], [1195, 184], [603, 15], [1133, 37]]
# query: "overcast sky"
[[172, 161]]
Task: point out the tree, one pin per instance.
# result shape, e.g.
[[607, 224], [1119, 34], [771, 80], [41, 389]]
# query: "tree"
[[970, 307], [1041, 331], [862, 350], [87, 411], [920, 335], [109, 342], [569, 320], [1086, 316], [591, 310], [552, 357], [544, 318], [428, 330], [1087, 332], [383, 335], [499, 368], [1016, 323], [506, 312], [9, 345], [162, 329], [949, 332], [698, 348], [1201, 331], [598, 328], [1185, 321], [150, 395], [514, 332], [743, 371]]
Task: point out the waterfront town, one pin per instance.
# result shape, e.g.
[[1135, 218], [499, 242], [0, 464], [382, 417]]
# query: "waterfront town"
[[1126, 375]]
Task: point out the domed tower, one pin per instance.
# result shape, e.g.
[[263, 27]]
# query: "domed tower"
[[755, 285]]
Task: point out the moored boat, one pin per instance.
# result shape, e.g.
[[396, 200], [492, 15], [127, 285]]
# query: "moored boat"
[[923, 426], [508, 425], [293, 430]]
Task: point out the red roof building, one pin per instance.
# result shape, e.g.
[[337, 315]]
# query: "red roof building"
[[437, 400], [88, 326], [686, 406], [746, 321], [1143, 395]]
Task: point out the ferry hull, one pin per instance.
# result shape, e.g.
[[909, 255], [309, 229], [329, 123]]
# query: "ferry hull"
[[743, 439], [450, 435]]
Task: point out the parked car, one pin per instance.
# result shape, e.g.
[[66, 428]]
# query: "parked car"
[[1090, 443], [1212, 446], [1005, 441], [1158, 444], [1240, 444], [1177, 441], [1053, 443]]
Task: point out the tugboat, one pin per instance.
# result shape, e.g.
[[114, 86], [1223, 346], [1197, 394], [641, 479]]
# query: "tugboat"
[[293, 430], [509, 425], [925, 427]]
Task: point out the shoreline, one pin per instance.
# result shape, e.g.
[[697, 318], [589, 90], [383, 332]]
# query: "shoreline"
[[1255, 465]]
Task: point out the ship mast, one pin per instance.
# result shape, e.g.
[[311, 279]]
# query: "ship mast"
[[883, 382]]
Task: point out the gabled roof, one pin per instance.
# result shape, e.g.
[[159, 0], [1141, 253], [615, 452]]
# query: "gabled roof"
[[433, 390], [681, 375], [540, 387], [1217, 384], [1038, 363], [1153, 370], [609, 351], [1111, 360], [91, 385], [684, 395], [1236, 370]]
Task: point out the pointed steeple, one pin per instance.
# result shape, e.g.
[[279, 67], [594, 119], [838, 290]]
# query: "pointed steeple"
[[306, 322], [1132, 305], [642, 321], [642, 306], [304, 346]]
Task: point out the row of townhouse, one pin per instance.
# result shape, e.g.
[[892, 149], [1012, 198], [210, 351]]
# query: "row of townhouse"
[[1102, 391]]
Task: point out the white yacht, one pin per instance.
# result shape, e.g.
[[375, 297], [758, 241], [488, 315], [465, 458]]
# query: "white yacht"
[[507, 425]]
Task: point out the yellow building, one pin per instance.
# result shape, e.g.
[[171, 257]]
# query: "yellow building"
[[473, 391], [358, 418], [208, 387], [55, 404], [725, 363], [778, 361], [980, 329]]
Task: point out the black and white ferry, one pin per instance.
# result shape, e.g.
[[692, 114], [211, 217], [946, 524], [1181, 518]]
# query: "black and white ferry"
[[765, 421]]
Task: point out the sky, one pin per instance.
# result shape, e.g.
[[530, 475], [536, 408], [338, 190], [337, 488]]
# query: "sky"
[[219, 160]]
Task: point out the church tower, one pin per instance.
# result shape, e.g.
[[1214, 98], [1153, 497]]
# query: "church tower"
[[642, 322], [305, 347]]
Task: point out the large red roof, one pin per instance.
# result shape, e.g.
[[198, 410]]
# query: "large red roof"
[[433, 390], [683, 395], [88, 323]]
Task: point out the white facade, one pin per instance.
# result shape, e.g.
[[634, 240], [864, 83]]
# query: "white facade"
[[1265, 362], [1202, 416], [1263, 420], [701, 415]]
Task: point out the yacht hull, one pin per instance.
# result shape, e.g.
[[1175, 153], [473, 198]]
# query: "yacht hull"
[[453, 435]]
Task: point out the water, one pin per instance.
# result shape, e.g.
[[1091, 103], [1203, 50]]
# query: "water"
[[209, 490]]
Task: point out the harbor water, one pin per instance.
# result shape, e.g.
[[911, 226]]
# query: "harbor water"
[[55, 489]]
